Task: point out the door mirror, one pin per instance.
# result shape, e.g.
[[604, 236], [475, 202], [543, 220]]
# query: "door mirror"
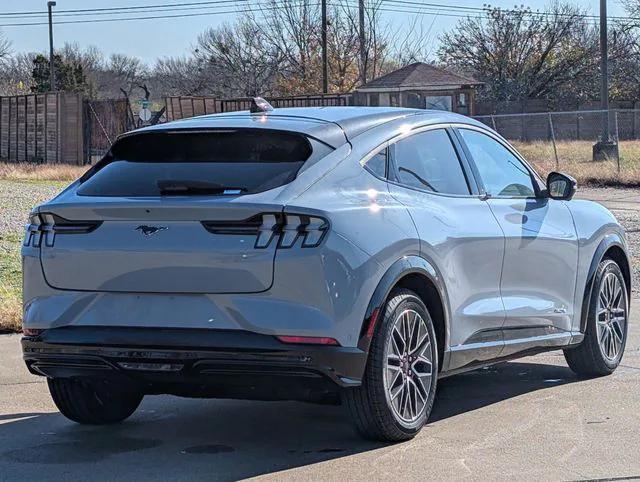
[[561, 186]]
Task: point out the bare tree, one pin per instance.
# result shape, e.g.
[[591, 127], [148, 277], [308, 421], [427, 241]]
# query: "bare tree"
[[520, 55], [291, 32], [5, 46], [119, 72], [15, 74], [625, 54], [184, 75], [238, 58]]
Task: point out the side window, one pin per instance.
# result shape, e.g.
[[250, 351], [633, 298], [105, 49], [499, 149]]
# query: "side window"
[[378, 163], [429, 161], [502, 173]]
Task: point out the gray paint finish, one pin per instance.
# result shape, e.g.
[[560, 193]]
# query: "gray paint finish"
[[511, 272]]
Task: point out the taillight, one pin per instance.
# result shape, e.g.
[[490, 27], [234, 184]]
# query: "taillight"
[[45, 226], [31, 332], [310, 229], [33, 233], [287, 230]]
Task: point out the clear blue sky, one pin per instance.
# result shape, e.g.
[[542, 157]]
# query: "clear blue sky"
[[150, 39]]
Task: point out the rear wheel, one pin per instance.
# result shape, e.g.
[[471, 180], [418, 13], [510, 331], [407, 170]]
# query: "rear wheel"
[[399, 384], [606, 333], [93, 403]]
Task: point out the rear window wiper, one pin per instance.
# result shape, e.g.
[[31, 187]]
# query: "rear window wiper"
[[181, 187]]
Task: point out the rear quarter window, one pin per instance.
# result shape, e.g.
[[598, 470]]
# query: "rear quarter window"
[[237, 161]]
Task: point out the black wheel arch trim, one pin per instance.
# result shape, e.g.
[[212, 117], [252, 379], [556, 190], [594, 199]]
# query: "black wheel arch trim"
[[609, 241], [399, 269]]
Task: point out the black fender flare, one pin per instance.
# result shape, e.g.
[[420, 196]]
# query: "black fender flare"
[[399, 269], [610, 240]]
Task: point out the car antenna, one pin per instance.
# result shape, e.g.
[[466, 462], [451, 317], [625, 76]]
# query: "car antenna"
[[258, 105]]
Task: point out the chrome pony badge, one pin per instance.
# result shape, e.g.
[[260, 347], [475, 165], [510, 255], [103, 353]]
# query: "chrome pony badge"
[[150, 230]]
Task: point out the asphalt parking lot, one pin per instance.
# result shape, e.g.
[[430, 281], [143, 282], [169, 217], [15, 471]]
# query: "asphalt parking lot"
[[530, 419]]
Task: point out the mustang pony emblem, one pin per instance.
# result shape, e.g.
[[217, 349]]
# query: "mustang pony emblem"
[[150, 230]]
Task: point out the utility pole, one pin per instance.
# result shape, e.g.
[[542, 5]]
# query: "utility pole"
[[604, 71], [363, 54], [325, 68], [606, 148], [52, 73]]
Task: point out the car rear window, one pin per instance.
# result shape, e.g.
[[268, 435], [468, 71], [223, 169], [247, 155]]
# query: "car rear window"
[[221, 162]]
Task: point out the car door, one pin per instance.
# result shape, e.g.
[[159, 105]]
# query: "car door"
[[541, 247], [458, 234]]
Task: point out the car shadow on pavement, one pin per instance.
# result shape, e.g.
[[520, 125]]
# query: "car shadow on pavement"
[[225, 439], [480, 388]]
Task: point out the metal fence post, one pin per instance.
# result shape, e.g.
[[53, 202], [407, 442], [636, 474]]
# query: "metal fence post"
[[553, 139], [493, 121], [617, 134]]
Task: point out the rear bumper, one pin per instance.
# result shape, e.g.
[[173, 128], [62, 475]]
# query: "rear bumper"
[[195, 362]]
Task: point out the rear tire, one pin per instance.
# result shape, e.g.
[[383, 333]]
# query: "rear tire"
[[93, 403], [399, 384], [605, 337]]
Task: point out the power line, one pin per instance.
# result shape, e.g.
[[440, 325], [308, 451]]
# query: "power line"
[[391, 6], [117, 9], [151, 17], [486, 10], [212, 3]]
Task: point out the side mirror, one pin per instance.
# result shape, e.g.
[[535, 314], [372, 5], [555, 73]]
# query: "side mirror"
[[561, 186]]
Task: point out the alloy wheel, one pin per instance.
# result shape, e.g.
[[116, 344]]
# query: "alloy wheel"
[[409, 366], [611, 317]]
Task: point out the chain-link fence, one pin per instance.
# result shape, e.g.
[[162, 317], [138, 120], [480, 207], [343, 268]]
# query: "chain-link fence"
[[565, 141]]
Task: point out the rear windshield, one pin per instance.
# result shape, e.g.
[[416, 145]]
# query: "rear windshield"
[[224, 162]]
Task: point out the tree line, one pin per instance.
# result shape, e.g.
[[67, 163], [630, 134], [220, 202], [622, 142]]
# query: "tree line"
[[517, 53]]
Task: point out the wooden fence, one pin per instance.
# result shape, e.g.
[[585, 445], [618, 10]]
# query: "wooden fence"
[[182, 107], [41, 128]]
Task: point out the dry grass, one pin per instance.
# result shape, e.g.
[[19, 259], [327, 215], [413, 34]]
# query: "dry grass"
[[10, 282], [10, 310], [575, 158], [40, 172]]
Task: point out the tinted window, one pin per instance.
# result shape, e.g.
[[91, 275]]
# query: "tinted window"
[[216, 162], [502, 173], [429, 161], [378, 163]]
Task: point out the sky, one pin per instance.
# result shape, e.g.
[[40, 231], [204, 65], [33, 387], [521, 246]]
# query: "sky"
[[150, 39]]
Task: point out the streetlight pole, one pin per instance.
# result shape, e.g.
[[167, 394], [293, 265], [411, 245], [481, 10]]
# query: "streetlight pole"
[[325, 69], [52, 73]]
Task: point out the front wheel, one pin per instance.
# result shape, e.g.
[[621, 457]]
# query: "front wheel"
[[399, 383], [606, 332], [96, 403]]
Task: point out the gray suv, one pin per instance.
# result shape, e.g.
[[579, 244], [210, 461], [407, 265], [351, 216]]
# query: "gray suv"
[[337, 255]]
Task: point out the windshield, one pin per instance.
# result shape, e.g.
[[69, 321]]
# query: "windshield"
[[222, 162]]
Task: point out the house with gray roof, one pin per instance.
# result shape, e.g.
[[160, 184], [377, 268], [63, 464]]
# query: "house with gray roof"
[[421, 86]]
